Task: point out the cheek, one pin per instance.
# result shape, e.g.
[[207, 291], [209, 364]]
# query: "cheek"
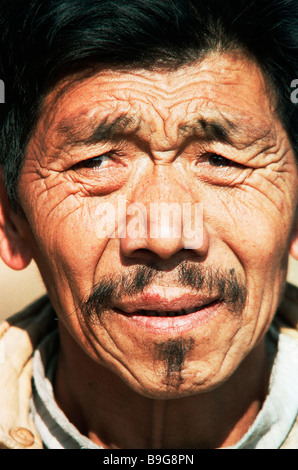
[[255, 232], [68, 246], [257, 240], [75, 245]]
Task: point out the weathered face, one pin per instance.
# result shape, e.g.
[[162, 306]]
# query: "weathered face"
[[168, 315]]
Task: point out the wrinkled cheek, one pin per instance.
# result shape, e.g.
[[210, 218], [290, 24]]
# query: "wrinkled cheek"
[[68, 251], [266, 245], [77, 249], [262, 250], [258, 241], [259, 238]]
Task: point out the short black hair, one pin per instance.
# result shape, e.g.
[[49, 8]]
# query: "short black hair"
[[41, 41]]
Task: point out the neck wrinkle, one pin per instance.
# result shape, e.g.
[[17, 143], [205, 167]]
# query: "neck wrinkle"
[[158, 422]]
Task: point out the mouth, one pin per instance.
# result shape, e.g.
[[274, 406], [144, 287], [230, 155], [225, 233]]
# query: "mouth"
[[169, 313], [164, 311], [166, 302]]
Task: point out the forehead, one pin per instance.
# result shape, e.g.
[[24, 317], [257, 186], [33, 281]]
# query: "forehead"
[[219, 92]]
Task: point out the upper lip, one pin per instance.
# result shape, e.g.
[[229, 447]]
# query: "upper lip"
[[165, 300]]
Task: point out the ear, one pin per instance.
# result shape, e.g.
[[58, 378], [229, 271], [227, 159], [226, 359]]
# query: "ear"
[[294, 238], [14, 246]]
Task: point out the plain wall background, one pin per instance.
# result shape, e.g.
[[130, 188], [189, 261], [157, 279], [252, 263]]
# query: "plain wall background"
[[19, 288]]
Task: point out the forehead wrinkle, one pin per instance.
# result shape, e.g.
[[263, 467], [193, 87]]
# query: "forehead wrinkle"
[[76, 132], [237, 130]]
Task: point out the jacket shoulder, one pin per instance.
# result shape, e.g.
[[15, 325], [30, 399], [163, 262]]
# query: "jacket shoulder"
[[286, 318], [19, 336]]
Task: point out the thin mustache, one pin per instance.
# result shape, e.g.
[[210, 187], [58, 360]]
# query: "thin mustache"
[[223, 283]]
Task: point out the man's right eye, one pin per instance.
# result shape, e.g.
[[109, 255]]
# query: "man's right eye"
[[95, 163]]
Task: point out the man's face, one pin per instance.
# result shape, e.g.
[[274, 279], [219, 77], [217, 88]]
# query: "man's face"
[[169, 316]]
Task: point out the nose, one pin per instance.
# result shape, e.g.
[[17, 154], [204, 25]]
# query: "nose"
[[163, 219]]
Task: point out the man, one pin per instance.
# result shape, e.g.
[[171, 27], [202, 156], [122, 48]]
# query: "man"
[[169, 328]]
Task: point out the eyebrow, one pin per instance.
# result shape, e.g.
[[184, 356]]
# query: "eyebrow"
[[208, 129], [75, 132], [122, 125]]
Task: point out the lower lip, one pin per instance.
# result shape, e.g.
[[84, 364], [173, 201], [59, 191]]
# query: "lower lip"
[[173, 324]]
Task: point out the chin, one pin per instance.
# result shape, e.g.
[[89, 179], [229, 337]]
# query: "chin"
[[166, 387]]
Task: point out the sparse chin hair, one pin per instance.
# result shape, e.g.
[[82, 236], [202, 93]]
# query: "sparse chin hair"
[[172, 353]]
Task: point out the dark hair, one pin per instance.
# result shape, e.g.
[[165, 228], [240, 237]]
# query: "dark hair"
[[43, 40]]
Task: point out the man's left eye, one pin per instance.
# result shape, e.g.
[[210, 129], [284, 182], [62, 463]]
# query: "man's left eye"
[[218, 160]]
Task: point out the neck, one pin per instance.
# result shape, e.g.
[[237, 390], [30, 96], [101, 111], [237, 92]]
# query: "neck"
[[113, 415]]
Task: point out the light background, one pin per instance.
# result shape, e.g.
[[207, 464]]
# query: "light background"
[[19, 288]]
